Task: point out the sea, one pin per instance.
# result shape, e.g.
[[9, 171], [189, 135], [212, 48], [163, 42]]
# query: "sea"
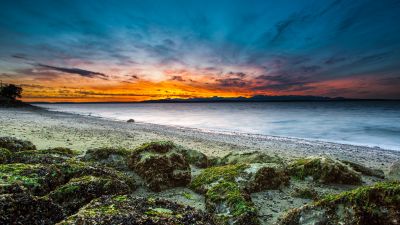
[[365, 123]]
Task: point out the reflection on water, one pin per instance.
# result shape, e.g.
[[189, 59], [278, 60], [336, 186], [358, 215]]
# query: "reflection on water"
[[365, 123]]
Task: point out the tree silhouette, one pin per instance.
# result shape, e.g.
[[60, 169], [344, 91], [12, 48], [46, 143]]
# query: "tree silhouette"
[[11, 91]]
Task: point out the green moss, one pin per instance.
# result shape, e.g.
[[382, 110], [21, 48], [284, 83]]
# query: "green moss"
[[156, 147], [382, 192], [160, 212], [19, 172], [214, 174], [230, 193], [105, 152], [5, 154], [15, 145], [187, 195], [324, 170], [120, 198]]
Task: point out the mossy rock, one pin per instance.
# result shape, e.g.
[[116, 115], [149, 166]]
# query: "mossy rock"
[[324, 170], [365, 170], [5, 155], [246, 158], [394, 171], [252, 177], [35, 178], [160, 165], [305, 192], [80, 191], [376, 204], [24, 208], [15, 145], [48, 156], [111, 157], [227, 189], [73, 168], [230, 204], [130, 210]]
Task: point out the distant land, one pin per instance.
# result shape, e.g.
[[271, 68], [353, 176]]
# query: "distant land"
[[256, 98]]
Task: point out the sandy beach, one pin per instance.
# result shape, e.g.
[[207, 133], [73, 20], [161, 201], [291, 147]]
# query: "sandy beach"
[[52, 129], [47, 129]]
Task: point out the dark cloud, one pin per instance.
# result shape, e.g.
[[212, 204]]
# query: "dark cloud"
[[232, 82], [81, 72], [334, 59], [177, 78]]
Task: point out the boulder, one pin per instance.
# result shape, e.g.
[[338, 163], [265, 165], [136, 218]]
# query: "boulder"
[[365, 170], [23, 208], [15, 145], [246, 158], [394, 171], [5, 155], [80, 191], [48, 156], [37, 179], [194, 157], [74, 168], [130, 210], [160, 165], [112, 157], [250, 177], [130, 121], [227, 189], [377, 204], [324, 170]]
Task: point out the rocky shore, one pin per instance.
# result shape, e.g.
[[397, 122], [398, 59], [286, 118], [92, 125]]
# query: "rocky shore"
[[58, 168]]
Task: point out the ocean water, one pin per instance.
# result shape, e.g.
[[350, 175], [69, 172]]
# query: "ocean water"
[[373, 123]]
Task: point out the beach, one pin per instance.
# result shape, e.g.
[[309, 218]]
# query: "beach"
[[54, 129], [49, 129]]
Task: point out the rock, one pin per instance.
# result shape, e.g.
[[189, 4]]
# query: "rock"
[[112, 157], [324, 170], [194, 157], [80, 191], [365, 170], [5, 155], [23, 208], [74, 168], [377, 204], [246, 158], [130, 210], [160, 165], [35, 178], [48, 156], [130, 121], [231, 205], [305, 192], [15, 145], [250, 177], [227, 189], [394, 171]]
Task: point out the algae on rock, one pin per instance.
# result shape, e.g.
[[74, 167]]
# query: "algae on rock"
[[130, 210], [15, 145], [160, 165], [324, 170], [80, 191], [376, 204]]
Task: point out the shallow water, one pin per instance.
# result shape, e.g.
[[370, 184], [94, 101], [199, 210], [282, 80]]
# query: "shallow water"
[[373, 123]]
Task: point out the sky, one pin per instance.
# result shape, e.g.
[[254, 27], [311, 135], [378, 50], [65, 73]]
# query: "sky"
[[100, 50]]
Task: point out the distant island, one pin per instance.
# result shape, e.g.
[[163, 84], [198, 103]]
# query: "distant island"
[[256, 98]]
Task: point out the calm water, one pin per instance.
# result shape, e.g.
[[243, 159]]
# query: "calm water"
[[362, 123]]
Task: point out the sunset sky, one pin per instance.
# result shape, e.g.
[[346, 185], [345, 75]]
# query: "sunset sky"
[[139, 50]]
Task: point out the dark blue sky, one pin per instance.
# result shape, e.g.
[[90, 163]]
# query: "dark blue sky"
[[332, 47]]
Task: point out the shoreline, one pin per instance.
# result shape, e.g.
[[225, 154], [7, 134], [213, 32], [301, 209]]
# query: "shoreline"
[[227, 132], [53, 128]]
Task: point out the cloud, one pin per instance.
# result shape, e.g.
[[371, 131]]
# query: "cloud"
[[81, 72], [177, 78]]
